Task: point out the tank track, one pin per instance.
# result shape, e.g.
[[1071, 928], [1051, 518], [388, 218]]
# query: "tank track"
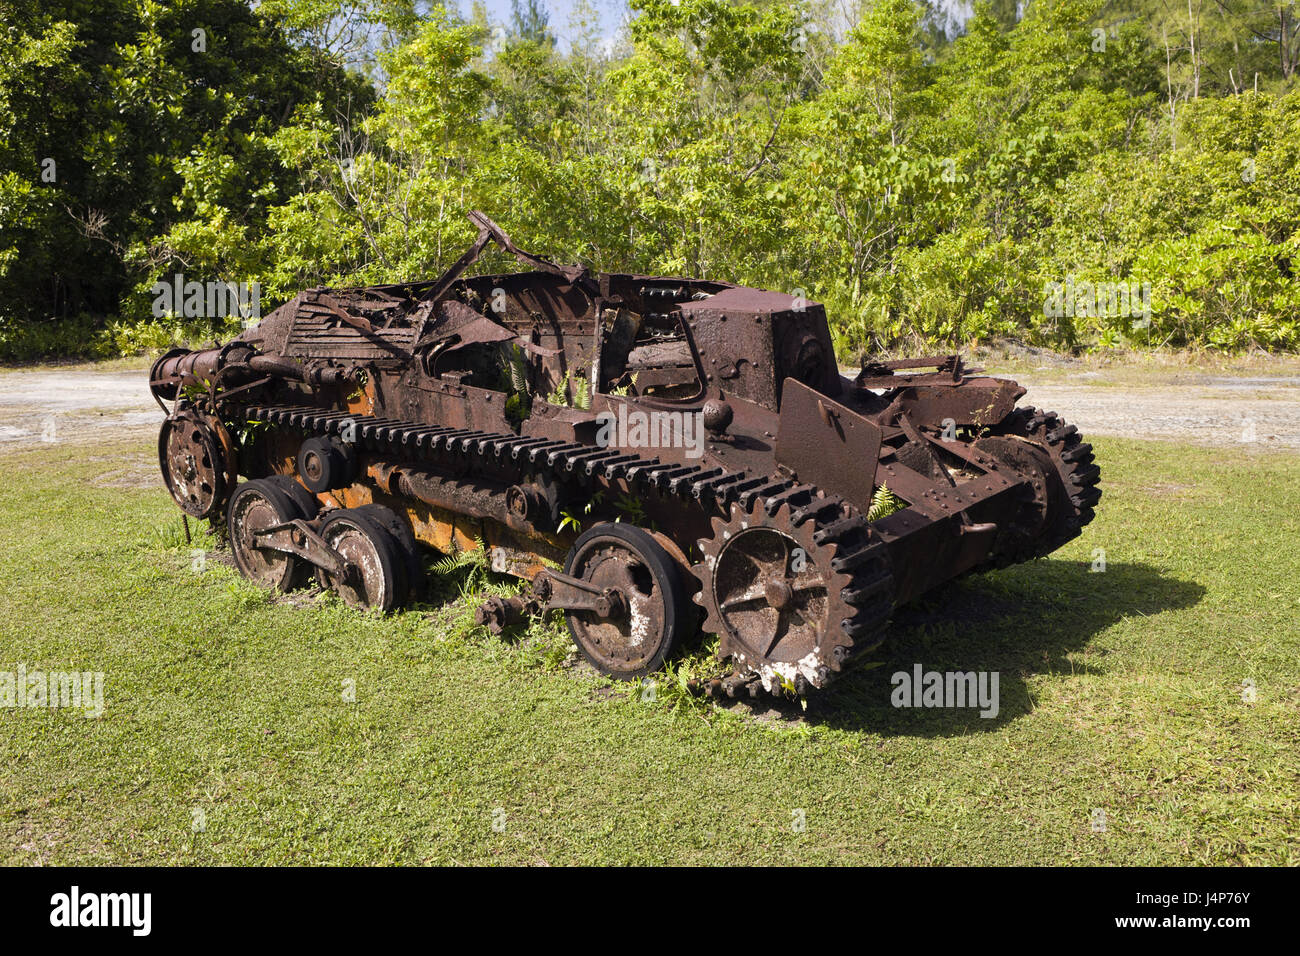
[[858, 551], [1074, 461]]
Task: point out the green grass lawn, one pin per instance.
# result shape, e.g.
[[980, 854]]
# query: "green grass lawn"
[[226, 737]]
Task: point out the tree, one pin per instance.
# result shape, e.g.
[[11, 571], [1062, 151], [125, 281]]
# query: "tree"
[[530, 20], [124, 118]]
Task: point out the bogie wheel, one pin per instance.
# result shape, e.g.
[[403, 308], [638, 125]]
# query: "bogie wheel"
[[653, 613], [255, 506], [401, 531], [374, 577]]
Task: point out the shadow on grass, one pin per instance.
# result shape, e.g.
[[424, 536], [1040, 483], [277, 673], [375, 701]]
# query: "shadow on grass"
[[1017, 622]]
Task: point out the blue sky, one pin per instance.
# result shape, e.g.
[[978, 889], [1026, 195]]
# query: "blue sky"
[[611, 14]]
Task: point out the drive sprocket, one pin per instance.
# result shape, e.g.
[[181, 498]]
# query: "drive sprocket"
[[793, 598]]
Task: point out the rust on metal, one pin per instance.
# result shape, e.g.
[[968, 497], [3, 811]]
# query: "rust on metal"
[[653, 455]]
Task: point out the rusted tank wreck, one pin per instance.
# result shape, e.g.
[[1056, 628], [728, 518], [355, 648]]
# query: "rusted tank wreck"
[[655, 455]]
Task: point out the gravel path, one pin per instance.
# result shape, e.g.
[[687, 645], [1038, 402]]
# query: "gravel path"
[[1264, 412], [76, 406], [1225, 412]]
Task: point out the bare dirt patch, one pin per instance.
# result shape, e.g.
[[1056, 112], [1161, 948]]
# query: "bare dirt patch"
[[1220, 413], [128, 478], [79, 407]]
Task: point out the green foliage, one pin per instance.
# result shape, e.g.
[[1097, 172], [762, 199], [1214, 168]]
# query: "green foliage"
[[582, 394], [530, 21], [560, 395], [133, 145], [247, 430], [930, 189], [569, 520], [24, 342], [631, 508], [884, 503], [467, 569], [170, 535], [572, 390], [516, 365], [515, 382]]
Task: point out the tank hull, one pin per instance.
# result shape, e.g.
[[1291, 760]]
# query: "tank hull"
[[654, 455]]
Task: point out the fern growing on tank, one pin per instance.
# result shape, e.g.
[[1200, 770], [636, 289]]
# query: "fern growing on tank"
[[581, 392], [514, 382], [884, 503], [474, 561]]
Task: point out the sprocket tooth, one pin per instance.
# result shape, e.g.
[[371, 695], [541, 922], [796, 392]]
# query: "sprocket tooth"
[[1079, 455], [1090, 474]]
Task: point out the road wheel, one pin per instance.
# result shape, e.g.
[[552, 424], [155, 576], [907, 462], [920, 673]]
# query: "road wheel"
[[401, 531], [255, 506], [653, 614], [374, 577], [308, 504]]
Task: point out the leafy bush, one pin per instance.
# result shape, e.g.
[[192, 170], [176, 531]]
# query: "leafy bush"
[[29, 341], [931, 193]]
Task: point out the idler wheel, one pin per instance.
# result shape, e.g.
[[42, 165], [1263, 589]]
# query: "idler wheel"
[[197, 457], [324, 464], [1034, 464], [1070, 462], [375, 574], [652, 613], [255, 506]]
